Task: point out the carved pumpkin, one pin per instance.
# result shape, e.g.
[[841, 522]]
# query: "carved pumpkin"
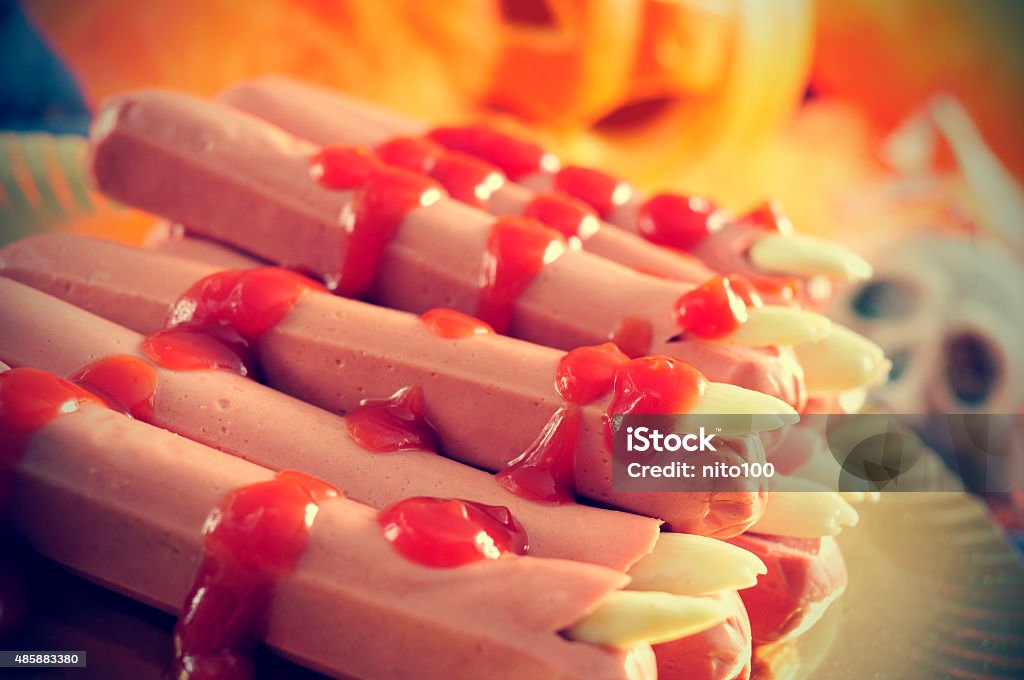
[[640, 84]]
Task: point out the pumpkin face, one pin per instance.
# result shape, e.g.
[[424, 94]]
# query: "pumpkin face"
[[576, 62], [640, 84]]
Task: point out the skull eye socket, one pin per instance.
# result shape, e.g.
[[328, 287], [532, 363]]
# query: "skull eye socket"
[[900, 358], [972, 368], [884, 298]]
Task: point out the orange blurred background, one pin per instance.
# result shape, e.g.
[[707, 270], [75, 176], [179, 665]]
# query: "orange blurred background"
[[703, 96]]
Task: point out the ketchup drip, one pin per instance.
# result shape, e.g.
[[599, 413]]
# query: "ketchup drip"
[[655, 385], [634, 336], [678, 221], [517, 249], [599, 190], [444, 532], [398, 423], [779, 289], [745, 289], [568, 216], [218, 322], [383, 197], [182, 349], [717, 307], [546, 471], [464, 177], [29, 399], [447, 323], [586, 374], [768, 216], [515, 157], [251, 540], [126, 383]]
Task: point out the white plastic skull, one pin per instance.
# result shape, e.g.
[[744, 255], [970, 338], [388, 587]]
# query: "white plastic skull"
[[947, 310]]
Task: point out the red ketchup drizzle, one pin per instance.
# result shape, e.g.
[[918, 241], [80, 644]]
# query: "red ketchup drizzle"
[[546, 471], [517, 249], [383, 196], [633, 336], [464, 177], [655, 385], [717, 307], [398, 423], [218, 322], [126, 383], [678, 221], [447, 323], [586, 374], [778, 289], [600, 191], [573, 219], [515, 157], [29, 399], [182, 349], [768, 216], [448, 532], [252, 539]]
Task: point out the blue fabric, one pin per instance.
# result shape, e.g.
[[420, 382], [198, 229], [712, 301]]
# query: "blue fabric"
[[37, 92]]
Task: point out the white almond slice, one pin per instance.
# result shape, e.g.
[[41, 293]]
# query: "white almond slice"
[[729, 410], [842, 361], [777, 325], [686, 564], [858, 497], [802, 508], [808, 256], [625, 619]]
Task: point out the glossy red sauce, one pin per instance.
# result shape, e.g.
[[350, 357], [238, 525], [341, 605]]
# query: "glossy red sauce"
[[655, 385], [634, 336], [383, 196], [546, 471], [516, 251], [515, 157], [218, 322], [714, 309], [249, 302], [768, 216], [185, 349], [251, 540], [586, 374], [464, 177], [778, 290], [126, 383], [29, 399], [677, 221], [398, 423], [745, 289], [448, 532], [599, 190], [570, 217], [447, 323]]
